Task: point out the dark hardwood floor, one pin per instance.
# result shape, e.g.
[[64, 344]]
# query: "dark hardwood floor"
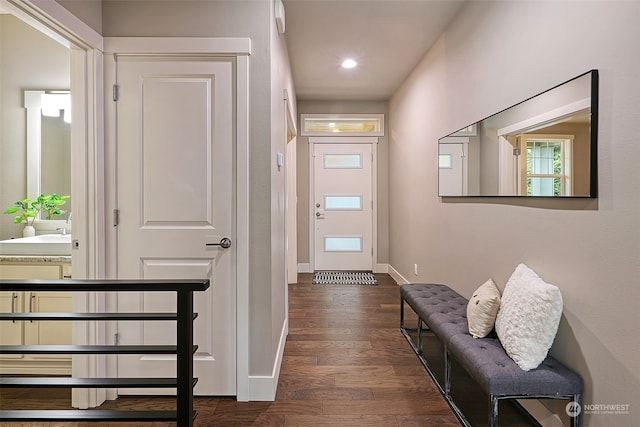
[[345, 364]]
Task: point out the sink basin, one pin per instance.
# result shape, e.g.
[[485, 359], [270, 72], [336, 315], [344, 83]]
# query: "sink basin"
[[45, 244]]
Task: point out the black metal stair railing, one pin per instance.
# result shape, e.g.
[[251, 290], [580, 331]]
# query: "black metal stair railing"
[[184, 350]]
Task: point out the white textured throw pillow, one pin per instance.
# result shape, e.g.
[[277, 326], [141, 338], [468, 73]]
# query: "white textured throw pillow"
[[528, 318], [482, 309]]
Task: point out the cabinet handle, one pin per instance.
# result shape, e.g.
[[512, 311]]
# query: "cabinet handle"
[[14, 297], [32, 297]]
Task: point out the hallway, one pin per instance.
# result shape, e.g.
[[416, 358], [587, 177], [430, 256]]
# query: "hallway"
[[345, 364]]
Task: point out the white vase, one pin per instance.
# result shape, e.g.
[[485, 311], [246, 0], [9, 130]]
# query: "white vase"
[[28, 231]]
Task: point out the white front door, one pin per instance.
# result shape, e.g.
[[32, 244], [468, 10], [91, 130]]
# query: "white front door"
[[342, 217], [175, 194]]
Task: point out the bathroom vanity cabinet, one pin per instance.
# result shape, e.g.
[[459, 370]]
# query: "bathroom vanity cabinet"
[[34, 333]]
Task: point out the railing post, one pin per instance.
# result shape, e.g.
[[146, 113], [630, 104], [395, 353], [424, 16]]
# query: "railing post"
[[184, 362]]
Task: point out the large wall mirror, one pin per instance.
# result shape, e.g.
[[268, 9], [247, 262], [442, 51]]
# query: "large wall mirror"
[[48, 142], [545, 146]]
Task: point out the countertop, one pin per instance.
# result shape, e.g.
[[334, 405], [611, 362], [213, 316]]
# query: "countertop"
[[35, 259]]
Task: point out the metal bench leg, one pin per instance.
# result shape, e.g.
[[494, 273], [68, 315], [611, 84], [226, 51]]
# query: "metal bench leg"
[[493, 411], [420, 336], [577, 420], [447, 372]]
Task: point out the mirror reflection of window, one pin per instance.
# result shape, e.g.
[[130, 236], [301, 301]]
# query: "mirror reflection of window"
[[546, 165]]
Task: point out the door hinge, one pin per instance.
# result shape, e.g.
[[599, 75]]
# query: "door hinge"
[[116, 217], [116, 92], [116, 339], [516, 151]]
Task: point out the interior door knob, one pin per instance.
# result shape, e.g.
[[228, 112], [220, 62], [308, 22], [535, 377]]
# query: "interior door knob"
[[225, 243]]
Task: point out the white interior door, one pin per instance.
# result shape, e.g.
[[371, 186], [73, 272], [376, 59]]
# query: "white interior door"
[[175, 194], [451, 170], [343, 207]]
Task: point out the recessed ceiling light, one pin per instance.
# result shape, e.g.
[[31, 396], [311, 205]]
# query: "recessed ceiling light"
[[349, 63]]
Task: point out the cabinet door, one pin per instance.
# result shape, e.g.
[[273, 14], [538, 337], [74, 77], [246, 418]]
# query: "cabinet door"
[[10, 331], [48, 333]]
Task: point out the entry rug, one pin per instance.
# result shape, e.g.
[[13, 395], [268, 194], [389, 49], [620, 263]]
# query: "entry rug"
[[344, 278]]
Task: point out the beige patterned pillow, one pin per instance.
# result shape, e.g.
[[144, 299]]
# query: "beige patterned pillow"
[[482, 309]]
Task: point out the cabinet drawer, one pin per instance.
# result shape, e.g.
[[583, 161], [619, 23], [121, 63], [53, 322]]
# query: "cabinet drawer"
[[30, 271]]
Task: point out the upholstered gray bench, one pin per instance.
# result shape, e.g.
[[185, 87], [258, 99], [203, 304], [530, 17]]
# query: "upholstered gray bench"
[[443, 312]]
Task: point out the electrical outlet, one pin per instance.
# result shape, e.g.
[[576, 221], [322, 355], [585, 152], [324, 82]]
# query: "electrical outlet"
[[415, 269]]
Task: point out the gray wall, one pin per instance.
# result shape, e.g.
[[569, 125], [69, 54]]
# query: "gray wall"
[[88, 11], [30, 60], [382, 198], [589, 248]]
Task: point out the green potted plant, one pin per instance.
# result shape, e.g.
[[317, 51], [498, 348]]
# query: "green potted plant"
[[28, 209], [50, 205]]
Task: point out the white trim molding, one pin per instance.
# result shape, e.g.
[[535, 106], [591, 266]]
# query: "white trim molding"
[[264, 387], [52, 19], [304, 267], [343, 140], [215, 46], [400, 280], [87, 164]]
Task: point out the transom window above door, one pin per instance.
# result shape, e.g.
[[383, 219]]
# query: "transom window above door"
[[342, 124]]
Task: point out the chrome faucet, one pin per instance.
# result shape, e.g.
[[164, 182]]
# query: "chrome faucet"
[[63, 230]]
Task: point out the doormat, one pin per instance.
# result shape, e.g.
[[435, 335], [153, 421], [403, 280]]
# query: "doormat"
[[344, 278]]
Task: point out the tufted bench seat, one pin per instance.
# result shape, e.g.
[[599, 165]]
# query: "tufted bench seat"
[[443, 312]]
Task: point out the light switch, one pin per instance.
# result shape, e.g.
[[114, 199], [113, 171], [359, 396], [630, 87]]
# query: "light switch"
[[280, 160]]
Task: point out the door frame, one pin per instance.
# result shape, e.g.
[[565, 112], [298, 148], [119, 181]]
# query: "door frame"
[[291, 196], [240, 49], [87, 166], [373, 141]]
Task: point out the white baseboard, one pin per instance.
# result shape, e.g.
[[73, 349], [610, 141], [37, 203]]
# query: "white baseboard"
[[304, 267], [381, 268], [400, 280], [264, 387]]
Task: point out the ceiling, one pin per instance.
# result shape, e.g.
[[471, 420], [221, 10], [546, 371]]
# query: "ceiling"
[[387, 38]]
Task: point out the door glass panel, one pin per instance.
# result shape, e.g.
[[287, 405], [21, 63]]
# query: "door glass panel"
[[353, 124], [343, 161], [444, 161], [343, 203], [343, 244]]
